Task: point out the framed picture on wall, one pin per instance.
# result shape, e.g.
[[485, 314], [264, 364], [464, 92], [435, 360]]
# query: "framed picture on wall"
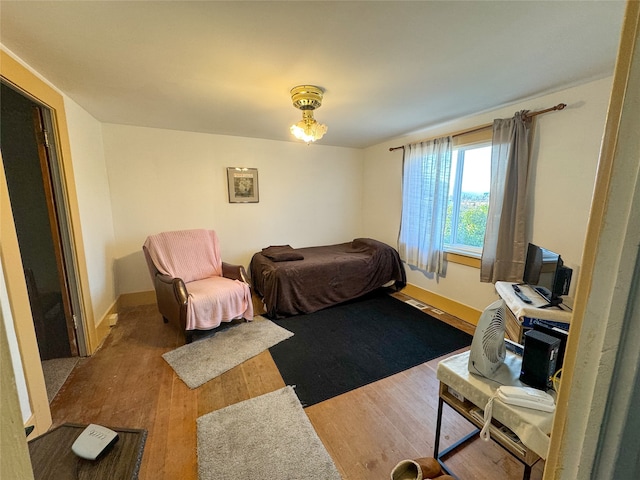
[[243, 185]]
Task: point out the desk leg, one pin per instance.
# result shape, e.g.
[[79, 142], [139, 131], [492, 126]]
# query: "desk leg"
[[436, 444]]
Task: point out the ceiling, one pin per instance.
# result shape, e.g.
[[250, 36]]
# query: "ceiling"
[[388, 68]]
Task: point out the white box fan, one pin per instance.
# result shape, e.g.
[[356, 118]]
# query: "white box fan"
[[487, 347]]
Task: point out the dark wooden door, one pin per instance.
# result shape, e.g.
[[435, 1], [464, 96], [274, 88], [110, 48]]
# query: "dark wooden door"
[[25, 154]]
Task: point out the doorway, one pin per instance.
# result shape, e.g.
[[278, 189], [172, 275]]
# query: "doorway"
[[38, 208]]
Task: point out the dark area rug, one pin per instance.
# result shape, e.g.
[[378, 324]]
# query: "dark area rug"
[[353, 344]]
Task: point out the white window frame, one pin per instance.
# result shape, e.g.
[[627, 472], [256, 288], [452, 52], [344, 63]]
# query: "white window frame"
[[481, 140]]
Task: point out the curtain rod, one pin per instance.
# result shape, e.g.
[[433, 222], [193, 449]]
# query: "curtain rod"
[[528, 115]]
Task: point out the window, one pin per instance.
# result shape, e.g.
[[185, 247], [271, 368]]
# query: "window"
[[468, 202], [445, 199]]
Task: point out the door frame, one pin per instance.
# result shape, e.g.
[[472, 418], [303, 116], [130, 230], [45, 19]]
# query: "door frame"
[[596, 397], [19, 76], [58, 220]]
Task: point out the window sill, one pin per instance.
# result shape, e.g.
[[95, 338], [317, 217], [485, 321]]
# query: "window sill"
[[467, 258], [465, 251]]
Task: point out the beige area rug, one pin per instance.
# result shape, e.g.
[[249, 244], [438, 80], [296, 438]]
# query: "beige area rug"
[[198, 362], [56, 371], [266, 437]]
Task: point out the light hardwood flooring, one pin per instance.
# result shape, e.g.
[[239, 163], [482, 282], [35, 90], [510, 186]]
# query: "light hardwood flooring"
[[127, 383]]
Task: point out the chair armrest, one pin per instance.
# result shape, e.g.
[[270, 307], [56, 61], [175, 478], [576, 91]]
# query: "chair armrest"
[[235, 272], [172, 296], [175, 288]]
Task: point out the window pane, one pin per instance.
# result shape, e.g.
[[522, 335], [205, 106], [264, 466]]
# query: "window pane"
[[468, 222], [476, 177]]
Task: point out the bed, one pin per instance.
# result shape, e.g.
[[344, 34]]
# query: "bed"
[[304, 280]]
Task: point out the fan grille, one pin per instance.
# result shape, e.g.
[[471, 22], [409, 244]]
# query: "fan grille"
[[493, 338]]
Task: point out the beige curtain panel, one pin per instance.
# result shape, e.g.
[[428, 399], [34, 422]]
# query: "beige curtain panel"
[[505, 240]]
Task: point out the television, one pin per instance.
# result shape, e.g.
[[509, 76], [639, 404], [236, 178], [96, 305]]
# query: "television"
[[545, 272]]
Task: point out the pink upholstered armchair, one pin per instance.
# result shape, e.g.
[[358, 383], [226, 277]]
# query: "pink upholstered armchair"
[[194, 288]]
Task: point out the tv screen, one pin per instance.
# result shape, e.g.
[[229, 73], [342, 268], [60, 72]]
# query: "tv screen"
[[546, 273]]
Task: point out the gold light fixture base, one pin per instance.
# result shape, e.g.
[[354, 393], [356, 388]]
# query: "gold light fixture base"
[[307, 98]]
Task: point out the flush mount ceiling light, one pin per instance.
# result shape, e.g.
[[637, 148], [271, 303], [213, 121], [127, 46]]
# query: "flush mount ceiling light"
[[307, 98]]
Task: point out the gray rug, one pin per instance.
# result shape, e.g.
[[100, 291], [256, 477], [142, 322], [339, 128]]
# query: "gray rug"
[[56, 372], [198, 362], [267, 437]]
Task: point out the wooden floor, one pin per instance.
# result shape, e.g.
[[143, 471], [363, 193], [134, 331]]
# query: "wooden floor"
[[126, 383]]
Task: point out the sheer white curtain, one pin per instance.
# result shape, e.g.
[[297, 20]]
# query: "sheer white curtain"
[[505, 239], [425, 191]]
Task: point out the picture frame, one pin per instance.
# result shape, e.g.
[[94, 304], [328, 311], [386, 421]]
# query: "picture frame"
[[243, 185]]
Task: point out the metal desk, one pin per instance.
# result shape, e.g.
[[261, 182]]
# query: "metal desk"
[[522, 432]]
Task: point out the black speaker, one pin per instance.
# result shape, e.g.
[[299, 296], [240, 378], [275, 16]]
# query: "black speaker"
[[539, 359], [559, 333], [562, 280]]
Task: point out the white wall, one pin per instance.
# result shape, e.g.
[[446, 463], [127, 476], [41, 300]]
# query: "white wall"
[[564, 159], [168, 180], [94, 204]]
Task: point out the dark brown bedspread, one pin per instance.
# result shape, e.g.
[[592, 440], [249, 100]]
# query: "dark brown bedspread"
[[327, 275]]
